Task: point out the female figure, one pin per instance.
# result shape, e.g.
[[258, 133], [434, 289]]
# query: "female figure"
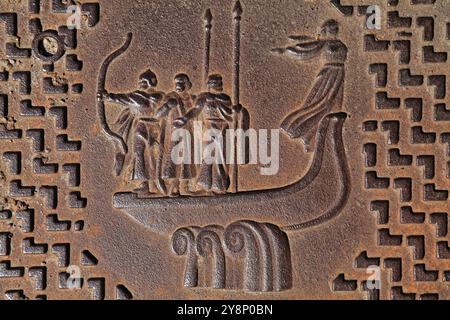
[[326, 96]]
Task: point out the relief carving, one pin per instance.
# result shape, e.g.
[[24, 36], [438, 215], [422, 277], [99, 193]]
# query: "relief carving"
[[327, 93], [164, 195], [257, 253]]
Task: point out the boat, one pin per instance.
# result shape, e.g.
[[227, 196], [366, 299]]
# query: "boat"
[[316, 198]]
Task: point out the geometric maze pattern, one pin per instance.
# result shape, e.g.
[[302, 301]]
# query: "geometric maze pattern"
[[406, 151], [42, 208]]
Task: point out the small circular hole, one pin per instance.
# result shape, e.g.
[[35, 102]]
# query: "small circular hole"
[[48, 46]]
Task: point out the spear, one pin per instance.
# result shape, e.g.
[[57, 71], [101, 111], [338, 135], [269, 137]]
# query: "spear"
[[208, 27], [237, 15]]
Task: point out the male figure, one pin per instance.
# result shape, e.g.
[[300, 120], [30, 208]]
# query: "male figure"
[[176, 106], [214, 110], [138, 126]]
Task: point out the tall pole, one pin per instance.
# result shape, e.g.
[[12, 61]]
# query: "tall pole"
[[237, 15], [206, 62]]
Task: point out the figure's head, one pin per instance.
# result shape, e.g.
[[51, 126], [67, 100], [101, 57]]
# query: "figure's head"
[[147, 80], [182, 82], [215, 82], [330, 28]]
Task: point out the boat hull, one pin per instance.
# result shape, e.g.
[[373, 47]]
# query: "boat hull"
[[313, 200]]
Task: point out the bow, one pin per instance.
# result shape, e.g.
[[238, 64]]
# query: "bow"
[[120, 157]]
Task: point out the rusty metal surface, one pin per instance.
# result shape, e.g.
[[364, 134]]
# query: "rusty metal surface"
[[93, 208]]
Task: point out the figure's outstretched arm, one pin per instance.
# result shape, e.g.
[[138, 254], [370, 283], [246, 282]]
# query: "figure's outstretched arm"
[[163, 111], [226, 110], [191, 114], [300, 38], [303, 51], [124, 99], [194, 112]]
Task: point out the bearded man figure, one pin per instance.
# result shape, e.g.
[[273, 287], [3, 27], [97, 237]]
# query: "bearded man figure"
[[177, 176], [214, 110]]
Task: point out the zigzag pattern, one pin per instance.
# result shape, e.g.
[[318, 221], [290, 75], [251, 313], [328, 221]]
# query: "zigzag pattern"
[[407, 151], [42, 207]]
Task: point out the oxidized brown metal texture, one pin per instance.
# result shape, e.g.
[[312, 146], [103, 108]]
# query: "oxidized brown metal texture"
[[94, 207]]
